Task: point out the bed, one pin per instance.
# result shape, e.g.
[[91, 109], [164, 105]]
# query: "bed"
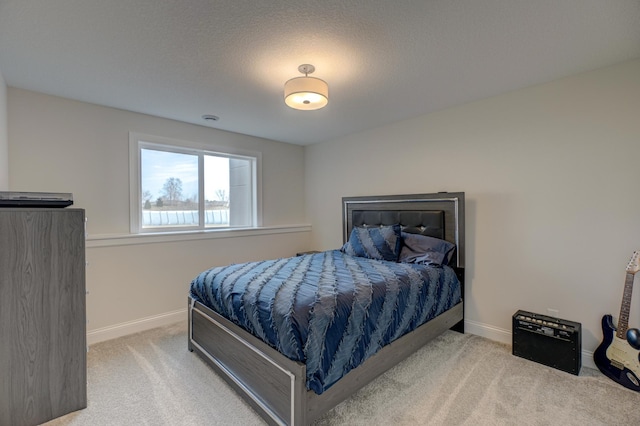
[[288, 389]]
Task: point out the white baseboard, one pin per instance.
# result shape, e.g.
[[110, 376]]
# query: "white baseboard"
[[107, 333], [490, 332], [587, 360], [504, 336], [135, 326]]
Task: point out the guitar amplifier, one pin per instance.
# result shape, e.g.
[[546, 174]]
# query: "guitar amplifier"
[[550, 341]]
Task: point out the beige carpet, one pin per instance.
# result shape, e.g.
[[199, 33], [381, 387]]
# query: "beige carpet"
[[151, 379]]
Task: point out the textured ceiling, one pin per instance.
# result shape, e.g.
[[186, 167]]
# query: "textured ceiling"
[[383, 60]]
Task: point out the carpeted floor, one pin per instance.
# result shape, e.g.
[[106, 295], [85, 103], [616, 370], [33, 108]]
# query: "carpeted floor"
[[151, 378]]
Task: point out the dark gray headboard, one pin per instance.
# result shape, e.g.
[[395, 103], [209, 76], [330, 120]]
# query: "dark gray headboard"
[[439, 215]]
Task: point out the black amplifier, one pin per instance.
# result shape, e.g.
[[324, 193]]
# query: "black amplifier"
[[550, 341]]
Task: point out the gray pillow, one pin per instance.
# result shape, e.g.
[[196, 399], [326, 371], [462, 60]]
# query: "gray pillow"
[[418, 248], [382, 243]]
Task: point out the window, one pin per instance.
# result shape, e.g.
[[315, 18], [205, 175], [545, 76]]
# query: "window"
[[180, 186]]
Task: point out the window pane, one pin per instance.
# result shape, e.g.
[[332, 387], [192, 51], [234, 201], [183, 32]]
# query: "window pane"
[[240, 192], [216, 191], [169, 188], [184, 187]]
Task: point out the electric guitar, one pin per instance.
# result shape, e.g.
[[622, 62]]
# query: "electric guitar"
[[618, 356]]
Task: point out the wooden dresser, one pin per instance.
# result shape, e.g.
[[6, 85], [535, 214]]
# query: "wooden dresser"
[[43, 368]]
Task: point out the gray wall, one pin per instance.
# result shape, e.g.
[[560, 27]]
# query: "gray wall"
[[551, 177], [550, 174], [61, 145]]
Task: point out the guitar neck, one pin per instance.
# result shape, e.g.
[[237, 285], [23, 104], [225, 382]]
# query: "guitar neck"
[[625, 308]]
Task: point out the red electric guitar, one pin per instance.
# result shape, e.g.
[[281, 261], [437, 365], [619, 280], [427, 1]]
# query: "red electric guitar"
[[618, 356]]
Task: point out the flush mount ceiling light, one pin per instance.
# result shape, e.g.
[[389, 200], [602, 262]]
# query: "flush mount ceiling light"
[[306, 93]]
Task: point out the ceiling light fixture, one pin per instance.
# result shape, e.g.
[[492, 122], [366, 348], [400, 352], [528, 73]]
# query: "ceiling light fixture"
[[306, 93]]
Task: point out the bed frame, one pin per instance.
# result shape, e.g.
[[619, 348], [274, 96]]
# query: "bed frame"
[[274, 385]]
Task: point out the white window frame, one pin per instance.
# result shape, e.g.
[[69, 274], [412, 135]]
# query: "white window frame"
[[138, 141]]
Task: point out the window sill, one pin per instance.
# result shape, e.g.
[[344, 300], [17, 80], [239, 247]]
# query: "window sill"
[[110, 240]]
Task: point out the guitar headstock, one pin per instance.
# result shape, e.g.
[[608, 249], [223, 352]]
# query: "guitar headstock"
[[634, 264]]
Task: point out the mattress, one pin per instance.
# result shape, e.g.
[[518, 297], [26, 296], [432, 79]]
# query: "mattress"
[[329, 310]]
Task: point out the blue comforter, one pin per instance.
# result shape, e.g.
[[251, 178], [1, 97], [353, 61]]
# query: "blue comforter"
[[328, 310]]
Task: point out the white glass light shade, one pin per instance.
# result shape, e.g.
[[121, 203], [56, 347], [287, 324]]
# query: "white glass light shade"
[[306, 93]]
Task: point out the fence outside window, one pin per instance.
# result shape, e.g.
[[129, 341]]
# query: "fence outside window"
[[184, 217]]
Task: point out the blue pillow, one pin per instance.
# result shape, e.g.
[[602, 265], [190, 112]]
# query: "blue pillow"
[[418, 248], [382, 243]]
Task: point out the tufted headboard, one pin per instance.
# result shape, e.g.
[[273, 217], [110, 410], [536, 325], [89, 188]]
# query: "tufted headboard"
[[439, 215]]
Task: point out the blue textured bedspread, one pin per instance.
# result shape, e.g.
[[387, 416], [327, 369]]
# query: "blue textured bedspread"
[[328, 310]]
